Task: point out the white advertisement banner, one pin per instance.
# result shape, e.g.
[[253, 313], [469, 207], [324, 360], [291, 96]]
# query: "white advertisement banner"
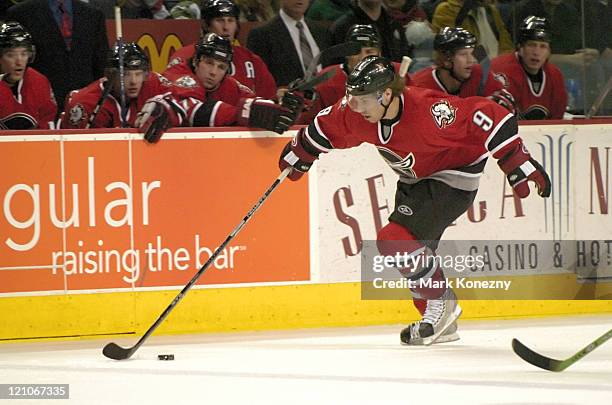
[[355, 195]]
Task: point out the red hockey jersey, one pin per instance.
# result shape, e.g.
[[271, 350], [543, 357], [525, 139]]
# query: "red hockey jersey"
[[428, 78], [548, 102], [207, 108], [32, 107], [81, 103], [248, 68], [445, 138]]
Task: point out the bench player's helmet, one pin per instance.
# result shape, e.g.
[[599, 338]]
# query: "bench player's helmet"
[[219, 8], [366, 35], [373, 74], [214, 46], [134, 57], [533, 29], [449, 40], [14, 35]]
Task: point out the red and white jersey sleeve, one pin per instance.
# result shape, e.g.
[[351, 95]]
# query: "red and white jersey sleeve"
[[32, 107], [439, 137], [547, 102], [428, 78]]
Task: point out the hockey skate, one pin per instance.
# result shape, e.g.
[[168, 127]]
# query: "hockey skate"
[[439, 323]]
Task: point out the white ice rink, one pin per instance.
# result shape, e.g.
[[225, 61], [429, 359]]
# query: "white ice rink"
[[327, 366]]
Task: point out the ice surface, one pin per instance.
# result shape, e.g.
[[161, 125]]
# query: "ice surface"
[[326, 366]]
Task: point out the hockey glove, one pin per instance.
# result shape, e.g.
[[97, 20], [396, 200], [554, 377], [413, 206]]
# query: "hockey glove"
[[294, 102], [297, 156], [504, 98], [153, 119], [520, 168], [262, 113]]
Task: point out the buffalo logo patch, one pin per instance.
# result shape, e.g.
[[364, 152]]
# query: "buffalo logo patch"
[[443, 113], [186, 81], [77, 115], [502, 78], [174, 62], [163, 80]]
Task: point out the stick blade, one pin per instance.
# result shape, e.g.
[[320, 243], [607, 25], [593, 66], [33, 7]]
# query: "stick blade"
[[536, 359], [116, 352], [340, 51]]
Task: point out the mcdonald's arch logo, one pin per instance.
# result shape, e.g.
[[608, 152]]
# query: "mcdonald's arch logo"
[[159, 56]]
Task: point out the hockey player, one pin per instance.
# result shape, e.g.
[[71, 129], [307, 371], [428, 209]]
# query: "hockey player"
[[332, 90], [457, 72], [221, 17], [536, 84], [26, 98], [149, 100], [439, 146], [212, 98]]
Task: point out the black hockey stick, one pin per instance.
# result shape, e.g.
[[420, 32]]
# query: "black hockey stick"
[[333, 52], [550, 364], [121, 49], [312, 83], [107, 85], [116, 352]]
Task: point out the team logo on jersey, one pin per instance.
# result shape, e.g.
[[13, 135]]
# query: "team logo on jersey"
[[404, 210], [443, 113], [502, 78], [402, 165], [174, 62], [163, 80], [77, 115], [187, 82]]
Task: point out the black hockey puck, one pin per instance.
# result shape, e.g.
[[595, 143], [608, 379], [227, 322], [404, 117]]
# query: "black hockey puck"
[[165, 357]]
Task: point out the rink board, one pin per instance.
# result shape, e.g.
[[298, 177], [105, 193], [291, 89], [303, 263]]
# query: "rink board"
[[100, 230]]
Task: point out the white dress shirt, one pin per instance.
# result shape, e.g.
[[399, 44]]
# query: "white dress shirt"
[[295, 36]]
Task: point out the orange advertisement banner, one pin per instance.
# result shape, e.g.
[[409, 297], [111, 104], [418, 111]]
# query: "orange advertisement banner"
[[101, 211]]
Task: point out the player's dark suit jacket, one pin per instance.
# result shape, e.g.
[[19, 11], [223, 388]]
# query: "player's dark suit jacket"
[[272, 42], [72, 69]]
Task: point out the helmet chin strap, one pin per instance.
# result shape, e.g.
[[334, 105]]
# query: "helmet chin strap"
[[451, 70], [386, 107]]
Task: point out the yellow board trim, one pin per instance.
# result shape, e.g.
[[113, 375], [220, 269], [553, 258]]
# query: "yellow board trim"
[[240, 309]]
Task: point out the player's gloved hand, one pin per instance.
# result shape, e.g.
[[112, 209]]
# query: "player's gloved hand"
[[294, 102], [520, 168], [504, 98], [153, 119], [295, 155], [262, 113]]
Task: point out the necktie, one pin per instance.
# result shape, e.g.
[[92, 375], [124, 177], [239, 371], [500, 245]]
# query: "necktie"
[[65, 23], [305, 48]]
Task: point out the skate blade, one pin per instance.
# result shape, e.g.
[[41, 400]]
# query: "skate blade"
[[453, 337], [428, 341]]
